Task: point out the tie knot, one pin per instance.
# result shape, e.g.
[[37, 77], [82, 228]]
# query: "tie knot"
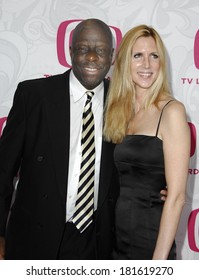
[[89, 95]]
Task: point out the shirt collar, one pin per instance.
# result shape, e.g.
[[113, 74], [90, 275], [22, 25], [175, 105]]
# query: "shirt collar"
[[77, 90]]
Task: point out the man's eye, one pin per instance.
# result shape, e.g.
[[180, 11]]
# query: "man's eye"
[[82, 50], [100, 51]]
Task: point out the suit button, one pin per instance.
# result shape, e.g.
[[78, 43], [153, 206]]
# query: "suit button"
[[40, 158]]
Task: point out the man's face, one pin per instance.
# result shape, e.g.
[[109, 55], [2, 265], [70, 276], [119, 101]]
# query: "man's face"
[[91, 56]]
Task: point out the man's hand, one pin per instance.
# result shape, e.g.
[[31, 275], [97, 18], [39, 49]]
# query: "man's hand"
[[2, 248], [163, 194]]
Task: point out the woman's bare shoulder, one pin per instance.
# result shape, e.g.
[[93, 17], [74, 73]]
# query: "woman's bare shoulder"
[[173, 106]]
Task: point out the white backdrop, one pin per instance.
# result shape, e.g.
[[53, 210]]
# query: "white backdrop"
[[34, 38]]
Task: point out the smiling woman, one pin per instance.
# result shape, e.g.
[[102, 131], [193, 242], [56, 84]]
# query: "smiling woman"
[[145, 64], [148, 126]]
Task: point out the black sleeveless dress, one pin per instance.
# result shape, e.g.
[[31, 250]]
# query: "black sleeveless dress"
[[140, 163]]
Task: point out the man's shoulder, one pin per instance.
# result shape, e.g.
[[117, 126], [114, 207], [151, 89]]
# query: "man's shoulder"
[[45, 80]]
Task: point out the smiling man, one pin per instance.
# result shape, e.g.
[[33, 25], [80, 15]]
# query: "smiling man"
[[91, 52], [50, 218]]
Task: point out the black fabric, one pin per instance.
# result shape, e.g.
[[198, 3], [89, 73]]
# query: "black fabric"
[[140, 162], [76, 245], [39, 121]]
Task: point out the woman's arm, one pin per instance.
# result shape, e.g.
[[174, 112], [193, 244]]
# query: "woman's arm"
[[175, 134]]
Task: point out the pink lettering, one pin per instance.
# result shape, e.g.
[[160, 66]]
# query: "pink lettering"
[[2, 122], [62, 45], [193, 171], [183, 80], [189, 80], [61, 42], [118, 38], [193, 138], [192, 232], [196, 50]]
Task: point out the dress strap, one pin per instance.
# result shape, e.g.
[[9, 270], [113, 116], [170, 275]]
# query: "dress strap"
[[161, 116]]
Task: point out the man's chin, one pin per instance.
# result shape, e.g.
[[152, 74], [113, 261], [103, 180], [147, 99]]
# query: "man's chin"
[[91, 83]]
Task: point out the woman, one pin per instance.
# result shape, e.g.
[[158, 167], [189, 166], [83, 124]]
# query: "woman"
[[153, 148]]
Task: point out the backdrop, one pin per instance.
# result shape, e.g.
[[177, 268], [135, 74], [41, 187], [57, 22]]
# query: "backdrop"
[[34, 41]]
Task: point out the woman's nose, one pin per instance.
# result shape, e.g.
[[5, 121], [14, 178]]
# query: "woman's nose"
[[146, 62]]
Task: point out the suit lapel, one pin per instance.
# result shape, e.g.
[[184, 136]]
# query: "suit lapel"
[[106, 170], [58, 115], [106, 165]]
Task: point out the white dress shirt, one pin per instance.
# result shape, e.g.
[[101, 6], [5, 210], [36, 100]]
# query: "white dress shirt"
[[77, 101]]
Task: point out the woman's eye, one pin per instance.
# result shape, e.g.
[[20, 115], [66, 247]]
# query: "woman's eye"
[[137, 55], [154, 55]]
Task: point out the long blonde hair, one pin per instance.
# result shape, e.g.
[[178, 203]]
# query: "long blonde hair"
[[120, 103]]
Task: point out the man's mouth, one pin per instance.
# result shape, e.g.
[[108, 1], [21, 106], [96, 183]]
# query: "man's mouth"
[[91, 69]]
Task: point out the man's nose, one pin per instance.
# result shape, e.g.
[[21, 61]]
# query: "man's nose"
[[92, 55]]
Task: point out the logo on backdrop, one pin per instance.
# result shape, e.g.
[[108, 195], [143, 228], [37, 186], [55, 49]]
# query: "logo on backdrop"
[[188, 80], [2, 124], [64, 37], [196, 81], [193, 138], [193, 171], [193, 233], [196, 50]]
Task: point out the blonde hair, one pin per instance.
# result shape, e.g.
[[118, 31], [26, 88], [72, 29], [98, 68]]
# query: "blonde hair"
[[120, 103]]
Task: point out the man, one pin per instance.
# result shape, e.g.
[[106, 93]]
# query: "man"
[[42, 140]]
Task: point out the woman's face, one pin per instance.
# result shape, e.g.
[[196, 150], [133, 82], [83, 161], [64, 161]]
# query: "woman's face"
[[145, 63]]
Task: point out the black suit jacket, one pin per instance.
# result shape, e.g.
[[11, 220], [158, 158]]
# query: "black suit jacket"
[[36, 139]]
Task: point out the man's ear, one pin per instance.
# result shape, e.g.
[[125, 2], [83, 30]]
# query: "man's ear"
[[112, 52], [70, 50]]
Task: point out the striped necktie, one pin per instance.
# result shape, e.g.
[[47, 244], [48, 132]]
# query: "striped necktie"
[[84, 208]]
